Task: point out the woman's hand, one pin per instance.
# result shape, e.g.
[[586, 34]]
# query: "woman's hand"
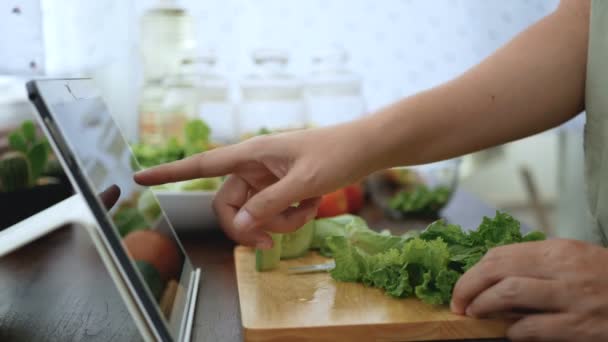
[[558, 287], [268, 174]]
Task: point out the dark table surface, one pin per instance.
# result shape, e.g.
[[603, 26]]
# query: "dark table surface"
[[57, 289]]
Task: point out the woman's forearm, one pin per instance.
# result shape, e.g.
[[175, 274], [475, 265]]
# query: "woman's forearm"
[[535, 82]]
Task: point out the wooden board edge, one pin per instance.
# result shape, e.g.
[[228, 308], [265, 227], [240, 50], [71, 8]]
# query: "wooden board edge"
[[429, 331]]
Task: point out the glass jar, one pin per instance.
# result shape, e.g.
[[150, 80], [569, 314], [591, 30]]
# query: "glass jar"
[[333, 93], [150, 112], [415, 191], [167, 35], [271, 98], [181, 99], [167, 32], [215, 107]]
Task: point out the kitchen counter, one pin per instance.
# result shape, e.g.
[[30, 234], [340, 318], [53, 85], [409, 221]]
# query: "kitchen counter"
[[56, 289]]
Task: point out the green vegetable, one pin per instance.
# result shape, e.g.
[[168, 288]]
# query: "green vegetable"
[[355, 230], [195, 140], [201, 184], [197, 135], [296, 244], [129, 219], [148, 206], [151, 277], [426, 266], [285, 246], [335, 226], [268, 259], [421, 200], [263, 131], [15, 172]]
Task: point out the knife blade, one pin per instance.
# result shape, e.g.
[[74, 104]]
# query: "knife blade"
[[312, 268]]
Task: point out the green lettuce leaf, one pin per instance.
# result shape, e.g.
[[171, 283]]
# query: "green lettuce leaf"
[[427, 291], [500, 230], [343, 225], [450, 233], [373, 243], [426, 264], [351, 263]]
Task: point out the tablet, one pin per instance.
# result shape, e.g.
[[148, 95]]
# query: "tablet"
[[139, 238]]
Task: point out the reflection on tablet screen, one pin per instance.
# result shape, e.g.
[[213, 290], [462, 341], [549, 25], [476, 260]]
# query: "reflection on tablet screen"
[[106, 161]]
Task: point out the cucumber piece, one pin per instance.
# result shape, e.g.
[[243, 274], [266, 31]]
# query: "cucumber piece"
[[268, 259], [299, 242]]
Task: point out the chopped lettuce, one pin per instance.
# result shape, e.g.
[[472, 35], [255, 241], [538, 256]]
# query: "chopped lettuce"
[[426, 265], [342, 225], [355, 232]]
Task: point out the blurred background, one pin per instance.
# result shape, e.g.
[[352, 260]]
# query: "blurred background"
[[247, 67]]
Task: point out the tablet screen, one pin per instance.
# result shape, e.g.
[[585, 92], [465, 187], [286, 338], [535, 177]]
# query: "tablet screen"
[[103, 158]]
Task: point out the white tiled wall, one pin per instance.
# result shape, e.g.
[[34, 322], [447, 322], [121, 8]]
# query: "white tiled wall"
[[21, 43], [398, 46]]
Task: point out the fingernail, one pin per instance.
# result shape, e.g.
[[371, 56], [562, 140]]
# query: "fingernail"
[[263, 244], [243, 220], [469, 312], [139, 173]]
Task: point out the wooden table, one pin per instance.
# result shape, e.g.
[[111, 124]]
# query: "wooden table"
[[57, 289]]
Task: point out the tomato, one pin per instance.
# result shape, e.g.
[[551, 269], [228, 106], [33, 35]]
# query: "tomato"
[[156, 249], [354, 197], [333, 204]]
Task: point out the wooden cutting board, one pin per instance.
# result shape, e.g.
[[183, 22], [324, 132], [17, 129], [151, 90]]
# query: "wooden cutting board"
[[276, 306]]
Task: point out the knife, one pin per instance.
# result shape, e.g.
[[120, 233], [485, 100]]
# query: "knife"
[[312, 268]]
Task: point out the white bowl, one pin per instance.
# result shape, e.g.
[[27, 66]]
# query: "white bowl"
[[188, 211]]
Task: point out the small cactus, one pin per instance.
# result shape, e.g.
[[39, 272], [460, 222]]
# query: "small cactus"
[[15, 171]]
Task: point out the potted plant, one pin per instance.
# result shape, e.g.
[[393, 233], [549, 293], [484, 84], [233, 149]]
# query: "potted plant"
[[31, 178]]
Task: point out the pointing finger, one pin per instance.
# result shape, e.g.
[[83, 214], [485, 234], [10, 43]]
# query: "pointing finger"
[[214, 163]]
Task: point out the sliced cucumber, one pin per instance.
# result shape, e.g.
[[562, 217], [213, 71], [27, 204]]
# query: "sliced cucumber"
[[285, 246], [268, 259], [297, 243]]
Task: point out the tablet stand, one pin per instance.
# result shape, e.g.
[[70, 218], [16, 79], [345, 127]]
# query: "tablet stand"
[[73, 210]]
